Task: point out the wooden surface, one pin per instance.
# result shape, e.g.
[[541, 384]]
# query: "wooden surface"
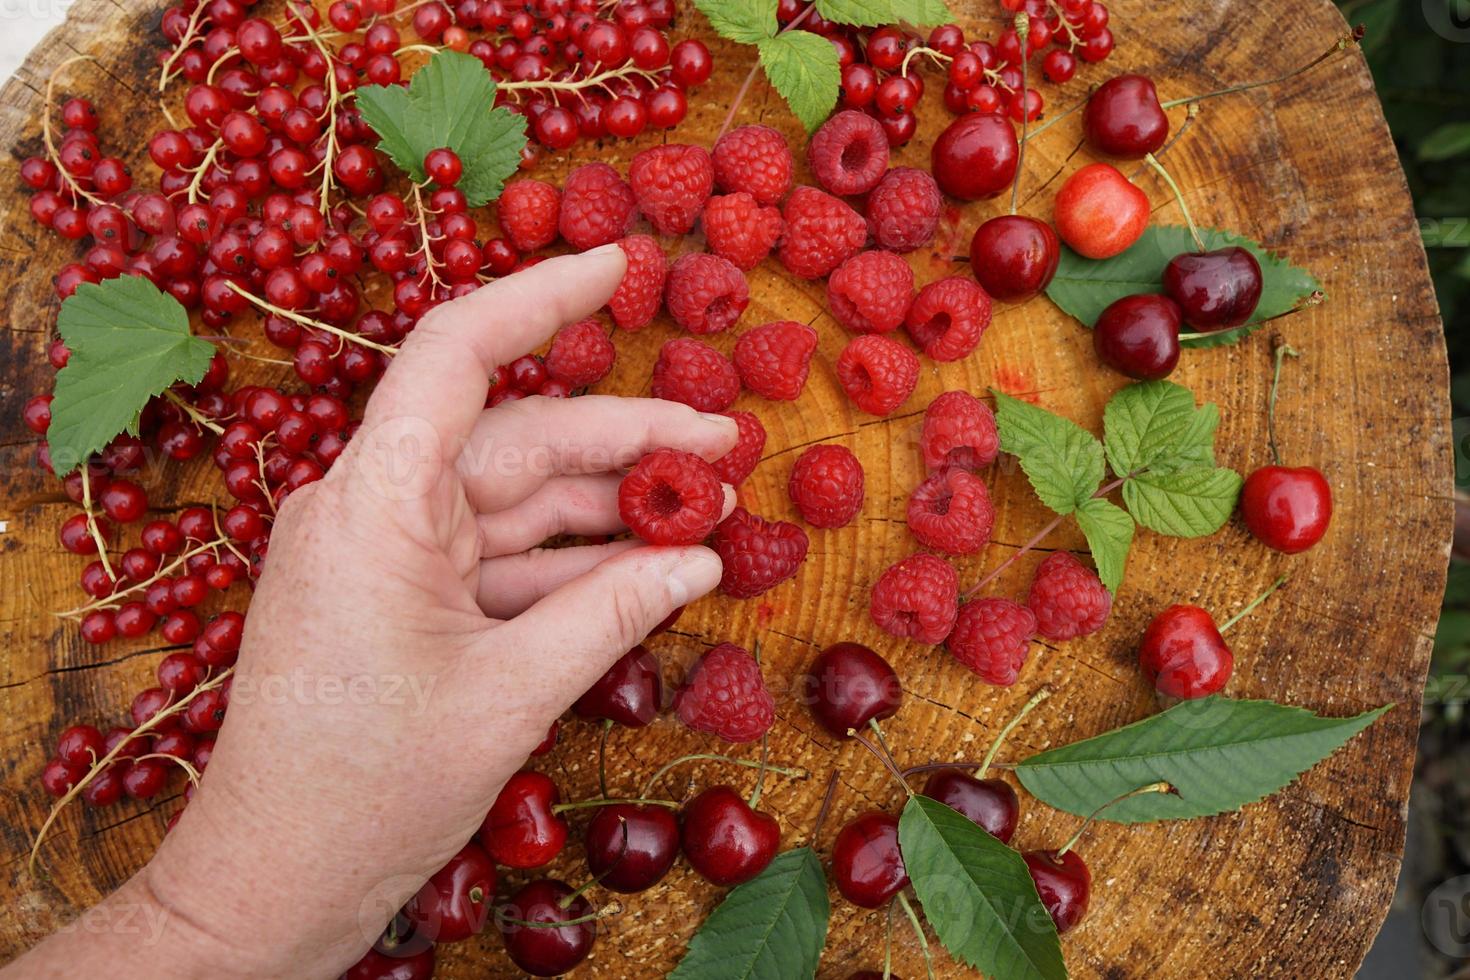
[[1294, 887]]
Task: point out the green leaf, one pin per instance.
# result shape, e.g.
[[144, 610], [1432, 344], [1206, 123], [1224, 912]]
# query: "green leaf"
[[1083, 288], [129, 342], [922, 13], [1185, 503], [1154, 425], [1109, 532], [978, 895], [1218, 754], [450, 101], [871, 13], [741, 21], [1063, 461], [773, 927], [1449, 140], [803, 68]]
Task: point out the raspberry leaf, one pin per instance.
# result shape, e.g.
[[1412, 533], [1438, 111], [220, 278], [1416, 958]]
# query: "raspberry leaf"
[[741, 21], [1155, 426], [1083, 288], [773, 927], [1063, 461], [1186, 503], [450, 101], [1109, 532], [129, 342], [803, 67], [873, 13], [978, 895], [1217, 754]]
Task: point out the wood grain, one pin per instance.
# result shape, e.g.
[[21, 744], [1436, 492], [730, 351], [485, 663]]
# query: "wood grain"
[[1294, 887]]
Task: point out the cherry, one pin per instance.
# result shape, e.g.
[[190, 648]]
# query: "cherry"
[[630, 693], [866, 863], [725, 840], [539, 950], [849, 686], [1286, 508], [976, 156], [630, 847], [454, 903], [385, 966], [1183, 654], [1139, 336], [522, 830], [1064, 884], [990, 803], [1099, 212], [1014, 256], [1123, 118], [1216, 290]]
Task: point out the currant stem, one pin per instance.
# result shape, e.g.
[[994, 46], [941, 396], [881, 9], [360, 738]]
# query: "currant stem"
[[424, 247], [610, 801], [202, 169], [186, 41], [307, 321], [938, 57], [714, 757], [1252, 604], [195, 416], [184, 764], [750, 75], [760, 774], [1158, 167], [111, 602], [51, 153], [330, 124], [92, 528], [1159, 787], [1010, 726], [1023, 31], [575, 85], [1343, 43], [1281, 351], [908, 910], [610, 909]]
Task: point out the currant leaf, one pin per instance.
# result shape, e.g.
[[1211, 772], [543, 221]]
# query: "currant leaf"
[[129, 342], [449, 102], [1217, 754], [1063, 461], [873, 13], [803, 67], [1109, 532], [741, 21]]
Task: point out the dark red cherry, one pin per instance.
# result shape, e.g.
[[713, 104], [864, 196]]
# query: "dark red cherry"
[[546, 950], [630, 848], [1183, 653], [383, 966], [975, 156], [1215, 290], [521, 830], [1064, 884], [989, 803], [1139, 336], [724, 839], [455, 902], [866, 863], [1123, 118], [1014, 256], [849, 686], [630, 693], [1286, 508]]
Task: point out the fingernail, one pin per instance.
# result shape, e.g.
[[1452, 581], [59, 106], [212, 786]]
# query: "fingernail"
[[721, 419], [607, 249], [696, 574]]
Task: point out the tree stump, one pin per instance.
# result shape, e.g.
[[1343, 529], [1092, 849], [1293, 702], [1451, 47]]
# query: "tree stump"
[[1292, 887]]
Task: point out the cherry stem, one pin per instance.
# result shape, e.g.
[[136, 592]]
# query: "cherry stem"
[[1160, 787], [1054, 120], [760, 774], [1343, 43], [908, 910], [888, 944], [825, 808], [566, 901], [1010, 726], [611, 801], [1252, 604], [713, 757], [611, 908], [1281, 352], [884, 758], [750, 75], [1189, 119], [1158, 167], [607, 724], [1023, 31], [92, 527], [307, 321], [1317, 298]]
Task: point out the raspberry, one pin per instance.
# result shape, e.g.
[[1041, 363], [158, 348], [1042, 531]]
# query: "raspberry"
[[948, 318], [1068, 598], [951, 512], [758, 554], [581, 354], [821, 232], [705, 293], [903, 210], [877, 373], [871, 292], [991, 637], [597, 207], [959, 430], [849, 153], [917, 597], [827, 486], [696, 374], [529, 210], [773, 359], [741, 229], [671, 184], [635, 302], [736, 466], [725, 695], [671, 497], [754, 159]]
